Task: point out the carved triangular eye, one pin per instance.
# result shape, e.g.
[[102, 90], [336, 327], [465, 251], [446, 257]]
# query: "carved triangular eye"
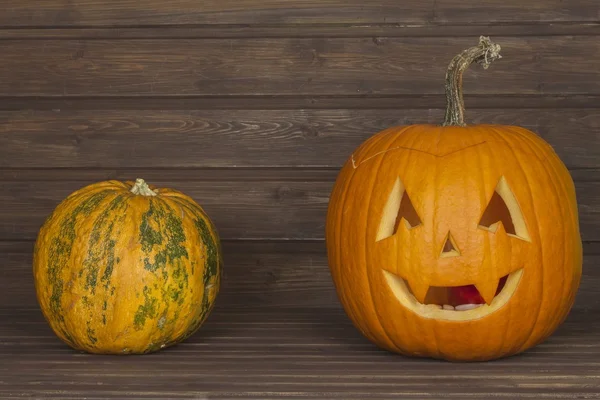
[[407, 213], [497, 212], [397, 208], [504, 208]]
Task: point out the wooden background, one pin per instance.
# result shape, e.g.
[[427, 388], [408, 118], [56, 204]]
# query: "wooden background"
[[251, 107]]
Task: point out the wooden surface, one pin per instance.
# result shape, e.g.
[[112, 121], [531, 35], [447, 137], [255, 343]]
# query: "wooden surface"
[[51, 13], [300, 66], [290, 354], [251, 138], [251, 107]]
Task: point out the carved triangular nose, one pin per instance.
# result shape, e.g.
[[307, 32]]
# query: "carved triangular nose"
[[450, 249]]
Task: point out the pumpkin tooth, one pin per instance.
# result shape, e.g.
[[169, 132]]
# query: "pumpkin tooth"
[[419, 289], [487, 289], [465, 307], [447, 307]]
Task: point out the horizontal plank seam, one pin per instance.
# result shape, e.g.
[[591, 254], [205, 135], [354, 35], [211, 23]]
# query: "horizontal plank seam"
[[541, 23], [250, 36], [290, 96], [297, 30], [274, 102]]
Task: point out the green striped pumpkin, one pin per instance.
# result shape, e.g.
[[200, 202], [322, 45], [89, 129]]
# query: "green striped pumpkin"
[[122, 267]]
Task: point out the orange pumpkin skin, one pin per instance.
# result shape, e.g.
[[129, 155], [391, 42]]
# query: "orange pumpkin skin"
[[118, 272], [450, 174]]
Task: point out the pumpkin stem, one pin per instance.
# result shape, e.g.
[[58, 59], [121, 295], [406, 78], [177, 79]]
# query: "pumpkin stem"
[[141, 188], [484, 53]]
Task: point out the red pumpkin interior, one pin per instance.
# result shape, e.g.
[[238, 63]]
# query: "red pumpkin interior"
[[458, 295]]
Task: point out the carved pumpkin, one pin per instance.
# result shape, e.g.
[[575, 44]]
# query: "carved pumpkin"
[[126, 268], [455, 242]]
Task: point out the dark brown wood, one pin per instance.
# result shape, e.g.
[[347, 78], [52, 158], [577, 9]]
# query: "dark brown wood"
[[293, 102], [290, 354], [176, 175], [304, 66], [261, 275], [284, 204], [250, 138], [302, 30], [155, 12]]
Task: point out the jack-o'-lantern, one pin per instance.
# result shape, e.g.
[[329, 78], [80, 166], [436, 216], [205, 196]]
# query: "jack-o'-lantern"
[[455, 242]]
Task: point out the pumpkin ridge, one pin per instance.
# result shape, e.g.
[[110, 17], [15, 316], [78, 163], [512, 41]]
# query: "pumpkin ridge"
[[541, 244], [101, 244], [483, 184], [526, 135], [438, 351], [370, 295], [174, 292], [408, 161], [558, 191], [150, 237], [145, 310], [212, 263], [374, 141], [59, 252], [171, 239], [101, 249], [211, 266], [202, 223]]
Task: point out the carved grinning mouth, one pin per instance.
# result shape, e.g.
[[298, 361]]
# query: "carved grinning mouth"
[[460, 303]]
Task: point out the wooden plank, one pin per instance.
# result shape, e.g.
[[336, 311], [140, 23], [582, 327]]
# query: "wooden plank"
[[302, 66], [46, 13], [305, 30], [175, 175], [242, 138], [259, 275], [292, 102], [86, 175], [287, 353], [247, 207]]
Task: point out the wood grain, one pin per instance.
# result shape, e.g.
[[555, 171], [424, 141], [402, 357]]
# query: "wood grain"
[[303, 30], [243, 205], [175, 175], [250, 138], [292, 102], [308, 353], [260, 275], [310, 66], [156, 12]]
